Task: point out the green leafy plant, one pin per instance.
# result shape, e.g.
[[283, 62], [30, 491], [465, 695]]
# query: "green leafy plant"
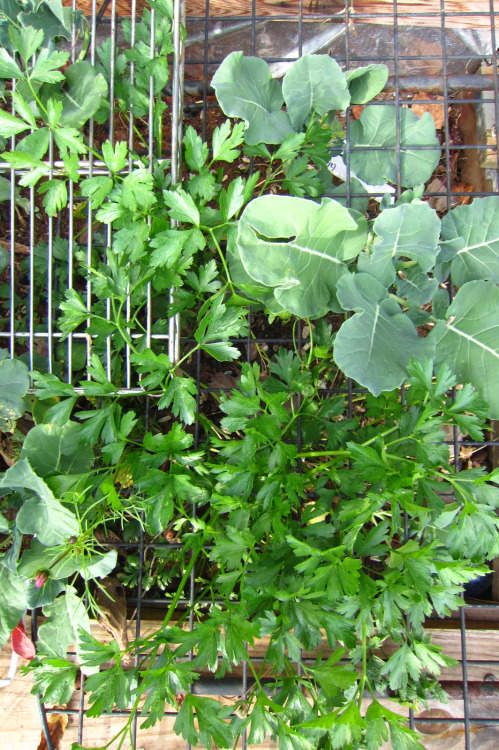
[[321, 558], [308, 527]]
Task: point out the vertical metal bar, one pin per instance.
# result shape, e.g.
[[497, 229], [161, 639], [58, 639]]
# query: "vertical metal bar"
[[464, 665], [12, 244], [133, 14], [112, 60], [205, 67], [397, 98], [494, 72], [347, 126], [88, 290], [253, 26], [177, 108], [69, 343], [50, 263]]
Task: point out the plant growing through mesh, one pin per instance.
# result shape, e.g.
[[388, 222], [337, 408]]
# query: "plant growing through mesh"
[[313, 529]]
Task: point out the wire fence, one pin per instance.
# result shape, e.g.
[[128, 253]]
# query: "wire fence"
[[434, 52]]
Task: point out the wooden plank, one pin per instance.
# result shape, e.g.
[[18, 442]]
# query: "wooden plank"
[[21, 722], [383, 9]]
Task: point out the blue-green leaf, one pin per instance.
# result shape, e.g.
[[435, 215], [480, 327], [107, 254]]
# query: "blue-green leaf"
[[472, 232], [299, 248], [375, 345], [41, 515], [14, 385], [13, 602], [245, 89], [377, 129], [50, 448], [469, 340], [366, 83], [314, 83], [411, 230]]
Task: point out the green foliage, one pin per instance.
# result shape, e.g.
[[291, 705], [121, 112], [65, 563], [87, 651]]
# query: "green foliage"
[[245, 89], [14, 385], [377, 129], [303, 524], [48, 18], [468, 339], [303, 256]]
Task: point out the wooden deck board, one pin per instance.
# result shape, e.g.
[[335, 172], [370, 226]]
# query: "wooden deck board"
[[21, 726]]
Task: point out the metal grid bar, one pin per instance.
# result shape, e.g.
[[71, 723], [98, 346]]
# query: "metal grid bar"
[[48, 340]]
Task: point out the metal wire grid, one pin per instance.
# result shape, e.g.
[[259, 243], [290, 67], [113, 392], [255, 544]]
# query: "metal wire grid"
[[202, 28], [37, 341]]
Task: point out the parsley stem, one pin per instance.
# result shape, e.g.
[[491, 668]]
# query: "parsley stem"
[[319, 454], [183, 359], [364, 663], [383, 434], [117, 320], [222, 258]]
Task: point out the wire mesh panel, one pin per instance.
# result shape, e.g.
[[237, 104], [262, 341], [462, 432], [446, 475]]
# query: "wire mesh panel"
[[441, 58], [42, 251]]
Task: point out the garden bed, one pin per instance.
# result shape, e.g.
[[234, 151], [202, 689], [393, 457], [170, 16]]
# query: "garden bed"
[[303, 503]]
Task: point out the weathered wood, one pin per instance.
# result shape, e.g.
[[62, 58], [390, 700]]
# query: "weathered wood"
[[21, 722], [379, 11]]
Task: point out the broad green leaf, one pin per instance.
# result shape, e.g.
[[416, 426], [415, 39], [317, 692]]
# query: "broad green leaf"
[[4, 196], [35, 145], [366, 83], [99, 565], [56, 195], [226, 140], [299, 248], [416, 287], [50, 448], [42, 515], [474, 229], [52, 18], [14, 385], [196, 152], [377, 129], [8, 66], [81, 94], [244, 88], [65, 616], [411, 230], [12, 602], [182, 207], [115, 158], [10, 125], [469, 340], [314, 83], [375, 345], [26, 41], [39, 597]]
